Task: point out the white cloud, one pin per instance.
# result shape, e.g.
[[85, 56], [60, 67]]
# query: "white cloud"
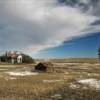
[[34, 25]]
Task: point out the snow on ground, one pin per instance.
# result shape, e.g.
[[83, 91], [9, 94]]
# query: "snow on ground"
[[50, 81], [91, 82], [74, 86], [7, 66], [56, 97], [24, 73], [10, 78]]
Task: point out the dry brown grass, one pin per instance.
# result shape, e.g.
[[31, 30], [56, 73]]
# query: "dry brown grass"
[[35, 88], [29, 87], [76, 60]]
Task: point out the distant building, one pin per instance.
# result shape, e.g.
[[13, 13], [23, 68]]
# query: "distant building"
[[15, 57], [19, 59], [44, 67]]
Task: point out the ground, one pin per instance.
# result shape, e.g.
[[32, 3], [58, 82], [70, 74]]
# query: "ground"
[[69, 81]]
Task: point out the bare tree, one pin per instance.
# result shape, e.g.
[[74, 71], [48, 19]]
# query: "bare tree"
[[99, 52]]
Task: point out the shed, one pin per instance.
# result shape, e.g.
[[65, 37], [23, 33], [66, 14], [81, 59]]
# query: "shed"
[[43, 66]]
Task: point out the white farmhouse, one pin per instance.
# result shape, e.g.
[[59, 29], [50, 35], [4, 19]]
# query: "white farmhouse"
[[19, 59]]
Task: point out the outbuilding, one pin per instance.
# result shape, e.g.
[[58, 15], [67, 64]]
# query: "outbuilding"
[[44, 66]]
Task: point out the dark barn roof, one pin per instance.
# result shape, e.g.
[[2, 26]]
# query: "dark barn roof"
[[43, 66]]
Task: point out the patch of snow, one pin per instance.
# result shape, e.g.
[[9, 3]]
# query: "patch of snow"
[[10, 78], [57, 97], [66, 64], [8, 66], [74, 86], [93, 74], [25, 73], [91, 82]]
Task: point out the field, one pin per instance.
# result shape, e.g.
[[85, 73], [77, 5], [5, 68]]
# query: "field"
[[73, 80]]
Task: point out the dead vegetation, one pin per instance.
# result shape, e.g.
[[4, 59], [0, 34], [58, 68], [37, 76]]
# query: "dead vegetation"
[[62, 84]]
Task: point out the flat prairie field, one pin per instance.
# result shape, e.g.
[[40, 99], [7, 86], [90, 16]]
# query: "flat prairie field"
[[69, 81]]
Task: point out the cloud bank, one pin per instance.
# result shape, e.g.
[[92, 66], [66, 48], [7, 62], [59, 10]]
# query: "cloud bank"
[[34, 25]]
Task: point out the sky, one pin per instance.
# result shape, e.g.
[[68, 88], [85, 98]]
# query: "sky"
[[50, 28], [82, 47]]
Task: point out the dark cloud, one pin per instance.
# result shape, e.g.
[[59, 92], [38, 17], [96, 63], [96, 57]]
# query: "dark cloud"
[[33, 25]]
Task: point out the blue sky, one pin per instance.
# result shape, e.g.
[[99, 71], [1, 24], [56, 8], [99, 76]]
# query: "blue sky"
[[86, 46], [50, 28]]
